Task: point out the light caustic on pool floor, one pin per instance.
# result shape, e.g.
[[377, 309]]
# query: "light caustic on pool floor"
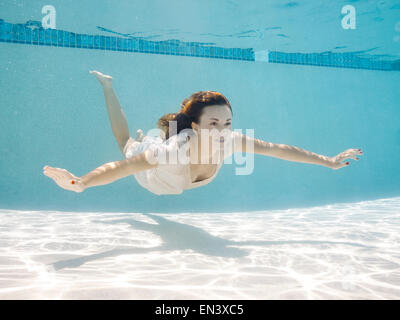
[[342, 251]]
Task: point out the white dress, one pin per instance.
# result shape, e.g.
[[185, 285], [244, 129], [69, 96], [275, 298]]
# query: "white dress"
[[166, 178]]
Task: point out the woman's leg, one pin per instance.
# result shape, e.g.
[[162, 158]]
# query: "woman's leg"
[[117, 117]]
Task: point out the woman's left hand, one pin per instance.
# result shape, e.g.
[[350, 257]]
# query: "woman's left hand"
[[336, 162]]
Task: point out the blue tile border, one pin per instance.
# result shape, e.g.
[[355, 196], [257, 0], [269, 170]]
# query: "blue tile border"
[[33, 34], [331, 59]]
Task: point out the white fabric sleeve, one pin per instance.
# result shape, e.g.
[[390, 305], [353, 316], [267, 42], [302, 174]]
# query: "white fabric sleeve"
[[171, 151]]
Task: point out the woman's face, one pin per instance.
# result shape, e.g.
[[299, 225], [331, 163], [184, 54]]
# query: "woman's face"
[[217, 120]]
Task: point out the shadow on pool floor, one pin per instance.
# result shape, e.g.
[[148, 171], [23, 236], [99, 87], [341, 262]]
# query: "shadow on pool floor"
[[180, 236]]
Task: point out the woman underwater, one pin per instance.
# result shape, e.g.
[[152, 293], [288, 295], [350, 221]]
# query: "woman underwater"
[[204, 116]]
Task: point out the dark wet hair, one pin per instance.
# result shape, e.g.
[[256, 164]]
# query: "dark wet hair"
[[191, 110]]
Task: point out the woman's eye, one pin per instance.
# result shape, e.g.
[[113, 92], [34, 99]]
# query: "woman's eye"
[[213, 123], [228, 124]]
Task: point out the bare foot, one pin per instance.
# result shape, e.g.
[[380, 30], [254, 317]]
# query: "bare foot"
[[64, 179], [104, 80]]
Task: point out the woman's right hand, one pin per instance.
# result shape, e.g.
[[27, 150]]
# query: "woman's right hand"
[[336, 162], [64, 179]]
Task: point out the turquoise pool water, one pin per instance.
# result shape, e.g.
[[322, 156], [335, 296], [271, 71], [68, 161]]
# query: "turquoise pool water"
[[331, 89]]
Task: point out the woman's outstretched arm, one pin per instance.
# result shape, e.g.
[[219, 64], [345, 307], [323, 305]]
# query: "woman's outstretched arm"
[[293, 153], [105, 174]]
